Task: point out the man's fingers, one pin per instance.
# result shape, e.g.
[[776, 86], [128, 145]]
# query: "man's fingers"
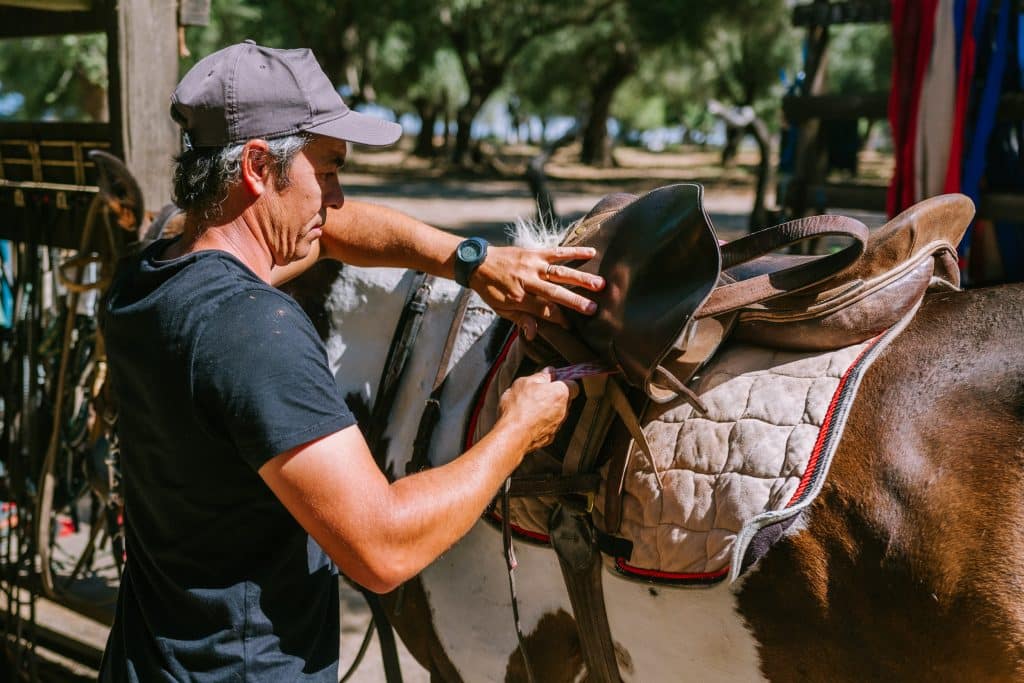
[[571, 253], [557, 294], [564, 275], [574, 388], [573, 385]]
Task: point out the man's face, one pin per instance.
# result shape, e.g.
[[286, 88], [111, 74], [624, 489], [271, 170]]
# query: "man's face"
[[298, 211]]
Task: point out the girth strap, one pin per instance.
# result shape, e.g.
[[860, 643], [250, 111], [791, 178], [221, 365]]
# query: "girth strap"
[[575, 542]]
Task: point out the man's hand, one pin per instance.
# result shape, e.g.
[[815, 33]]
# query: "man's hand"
[[536, 405], [525, 285]]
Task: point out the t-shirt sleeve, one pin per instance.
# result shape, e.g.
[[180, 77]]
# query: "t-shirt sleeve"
[[261, 378]]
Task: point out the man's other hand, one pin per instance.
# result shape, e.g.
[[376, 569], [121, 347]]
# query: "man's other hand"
[[537, 405]]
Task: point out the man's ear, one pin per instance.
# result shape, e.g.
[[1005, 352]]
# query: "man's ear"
[[256, 166]]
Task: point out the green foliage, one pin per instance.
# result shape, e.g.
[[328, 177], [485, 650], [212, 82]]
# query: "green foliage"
[[231, 21], [859, 59], [63, 78]]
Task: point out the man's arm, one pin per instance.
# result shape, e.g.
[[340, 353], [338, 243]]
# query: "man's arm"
[[520, 284], [381, 534]]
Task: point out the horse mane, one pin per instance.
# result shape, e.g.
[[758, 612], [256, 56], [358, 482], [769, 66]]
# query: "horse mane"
[[536, 233]]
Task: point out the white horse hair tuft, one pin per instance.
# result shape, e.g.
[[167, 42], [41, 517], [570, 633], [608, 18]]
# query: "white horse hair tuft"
[[533, 233]]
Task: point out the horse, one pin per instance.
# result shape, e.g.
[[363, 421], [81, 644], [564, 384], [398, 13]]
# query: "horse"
[[908, 566]]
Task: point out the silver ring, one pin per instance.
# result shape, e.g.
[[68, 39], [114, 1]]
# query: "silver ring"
[[547, 272]]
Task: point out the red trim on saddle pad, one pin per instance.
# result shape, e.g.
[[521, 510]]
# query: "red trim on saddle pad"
[[826, 425], [534, 536], [482, 396], [671, 577]]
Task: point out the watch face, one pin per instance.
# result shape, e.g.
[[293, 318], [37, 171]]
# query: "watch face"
[[469, 251]]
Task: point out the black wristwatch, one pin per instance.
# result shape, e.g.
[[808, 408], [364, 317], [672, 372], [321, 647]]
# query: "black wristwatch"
[[468, 256]]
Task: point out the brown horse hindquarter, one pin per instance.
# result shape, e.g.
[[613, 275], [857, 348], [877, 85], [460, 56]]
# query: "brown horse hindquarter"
[[911, 564]]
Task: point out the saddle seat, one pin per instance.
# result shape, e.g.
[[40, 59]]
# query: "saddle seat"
[[911, 254]]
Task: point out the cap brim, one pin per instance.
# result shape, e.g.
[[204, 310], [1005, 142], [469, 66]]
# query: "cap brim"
[[360, 128]]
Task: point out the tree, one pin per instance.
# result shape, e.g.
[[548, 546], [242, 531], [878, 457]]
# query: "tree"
[[56, 77], [417, 72], [487, 35]]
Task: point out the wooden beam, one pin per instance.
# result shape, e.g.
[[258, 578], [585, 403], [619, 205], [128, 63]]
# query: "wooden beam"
[[996, 206], [834, 107], [999, 206], [20, 22], [823, 13], [54, 130], [147, 71]]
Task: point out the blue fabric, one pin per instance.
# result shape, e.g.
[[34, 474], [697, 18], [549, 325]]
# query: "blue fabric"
[[959, 16], [6, 286], [993, 48], [1006, 165]]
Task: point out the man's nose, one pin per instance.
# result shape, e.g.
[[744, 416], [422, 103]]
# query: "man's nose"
[[334, 197]]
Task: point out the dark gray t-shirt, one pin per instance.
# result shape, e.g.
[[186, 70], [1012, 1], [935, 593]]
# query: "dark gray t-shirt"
[[216, 373]]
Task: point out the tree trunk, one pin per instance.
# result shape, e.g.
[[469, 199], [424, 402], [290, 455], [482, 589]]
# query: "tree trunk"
[[465, 116], [427, 112], [759, 214], [464, 123], [733, 138], [596, 149]]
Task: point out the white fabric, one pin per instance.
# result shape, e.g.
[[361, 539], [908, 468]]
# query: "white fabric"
[[938, 103]]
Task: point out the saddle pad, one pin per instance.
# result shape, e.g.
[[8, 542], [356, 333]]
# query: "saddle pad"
[[748, 454], [757, 458]]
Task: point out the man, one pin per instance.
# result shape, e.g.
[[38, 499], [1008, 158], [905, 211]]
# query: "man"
[[246, 480]]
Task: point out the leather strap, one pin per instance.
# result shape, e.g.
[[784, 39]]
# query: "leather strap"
[[735, 295], [511, 563], [620, 459], [385, 635], [589, 428], [575, 542], [554, 485], [420, 459], [407, 329]]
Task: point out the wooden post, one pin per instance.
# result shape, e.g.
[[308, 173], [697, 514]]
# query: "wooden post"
[[146, 53]]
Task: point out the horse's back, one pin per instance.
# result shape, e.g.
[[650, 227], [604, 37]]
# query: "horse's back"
[[911, 562]]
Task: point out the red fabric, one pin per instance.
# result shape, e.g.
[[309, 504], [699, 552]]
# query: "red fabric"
[[963, 90], [913, 30]]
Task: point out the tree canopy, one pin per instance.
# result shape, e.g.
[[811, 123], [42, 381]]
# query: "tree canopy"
[[647, 64]]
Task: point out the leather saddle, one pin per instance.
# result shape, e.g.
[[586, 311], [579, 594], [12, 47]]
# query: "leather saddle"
[[665, 301], [912, 253]]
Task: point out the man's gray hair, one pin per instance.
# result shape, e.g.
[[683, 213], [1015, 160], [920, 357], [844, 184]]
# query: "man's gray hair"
[[204, 175]]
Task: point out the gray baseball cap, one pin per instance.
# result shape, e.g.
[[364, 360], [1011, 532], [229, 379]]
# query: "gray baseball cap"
[[248, 91]]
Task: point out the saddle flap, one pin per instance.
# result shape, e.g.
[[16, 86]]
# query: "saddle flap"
[[660, 260]]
